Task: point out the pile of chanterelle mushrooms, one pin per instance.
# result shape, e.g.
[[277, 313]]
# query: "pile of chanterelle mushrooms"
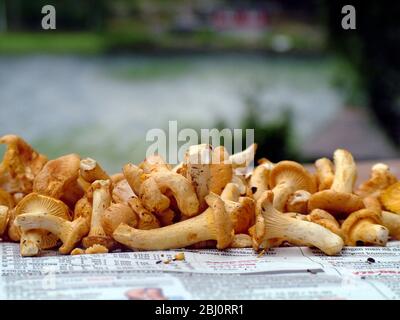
[[210, 200]]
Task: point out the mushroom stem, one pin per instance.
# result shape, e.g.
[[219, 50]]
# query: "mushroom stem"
[[380, 179], [151, 189], [212, 224], [345, 171], [101, 201], [282, 192], [178, 235], [369, 233], [30, 243], [91, 171], [240, 182], [152, 197], [259, 181], [392, 222], [306, 233], [68, 232], [154, 163], [231, 192], [277, 225], [181, 189], [325, 173], [243, 158], [133, 175]]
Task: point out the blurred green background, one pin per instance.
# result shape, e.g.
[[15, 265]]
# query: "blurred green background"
[[112, 70]]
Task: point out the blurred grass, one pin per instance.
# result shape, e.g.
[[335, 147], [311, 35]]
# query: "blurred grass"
[[136, 38], [21, 43]]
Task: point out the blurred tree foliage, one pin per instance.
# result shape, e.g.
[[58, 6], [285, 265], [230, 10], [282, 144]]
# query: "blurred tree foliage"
[[373, 50], [71, 14], [274, 138]]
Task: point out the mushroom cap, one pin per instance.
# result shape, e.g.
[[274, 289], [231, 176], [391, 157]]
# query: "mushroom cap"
[[122, 191], [242, 213], [116, 214], [154, 163], [36, 203], [231, 192], [77, 251], [325, 219], [78, 229], [336, 203], [372, 203], [392, 221], [298, 202], [241, 183], [266, 163], [243, 158], [258, 182], [355, 217], [21, 163], [207, 170], [83, 208], [196, 167], [221, 221], [6, 199], [294, 172], [105, 241], [390, 198], [180, 168], [96, 249], [381, 178], [135, 177], [221, 171], [117, 177], [57, 175], [325, 173], [166, 218], [147, 220]]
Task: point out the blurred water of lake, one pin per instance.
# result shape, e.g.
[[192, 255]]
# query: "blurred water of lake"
[[103, 106]]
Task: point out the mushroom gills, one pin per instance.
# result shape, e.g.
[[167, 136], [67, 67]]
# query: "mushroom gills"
[[68, 232], [280, 226]]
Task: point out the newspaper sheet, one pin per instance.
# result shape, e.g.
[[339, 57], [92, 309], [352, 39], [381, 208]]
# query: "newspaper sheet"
[[282, 273]]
